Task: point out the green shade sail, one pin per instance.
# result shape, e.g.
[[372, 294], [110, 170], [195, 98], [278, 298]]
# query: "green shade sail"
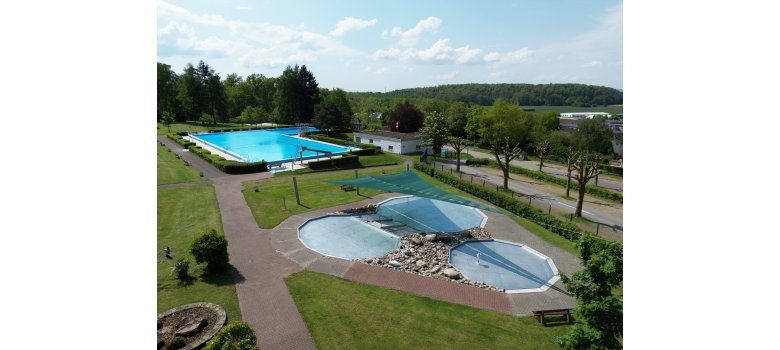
[[409, 183]]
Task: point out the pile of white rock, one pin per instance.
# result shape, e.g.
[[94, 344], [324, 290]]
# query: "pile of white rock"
[[427, 255]]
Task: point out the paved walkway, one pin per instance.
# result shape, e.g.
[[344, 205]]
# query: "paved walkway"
[[258, 270]]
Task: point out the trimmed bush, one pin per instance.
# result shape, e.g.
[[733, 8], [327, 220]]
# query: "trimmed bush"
[[211, 248], [229, 166], [478, 161], [614, 170], [181, 268], [344, 161], [235, 336]]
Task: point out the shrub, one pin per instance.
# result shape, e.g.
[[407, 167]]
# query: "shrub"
[[176, 343], [344, 161], [478, 161], [211, 248], [236, 336], [229, 166], [181, 268]]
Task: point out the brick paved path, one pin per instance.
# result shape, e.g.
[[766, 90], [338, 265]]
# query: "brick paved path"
[[259, 272]]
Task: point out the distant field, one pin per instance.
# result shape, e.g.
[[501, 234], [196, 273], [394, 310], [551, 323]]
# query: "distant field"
[[614, 109]]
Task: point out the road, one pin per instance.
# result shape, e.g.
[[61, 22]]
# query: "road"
[[593, 214], [604, 181]]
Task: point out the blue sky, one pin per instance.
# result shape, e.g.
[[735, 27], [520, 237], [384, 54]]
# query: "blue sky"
[[368, 46]]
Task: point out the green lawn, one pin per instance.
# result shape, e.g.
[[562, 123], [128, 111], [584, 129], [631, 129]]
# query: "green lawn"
[[172, 170], [195, 127], [268, 207], [341, 314], [182, 213]]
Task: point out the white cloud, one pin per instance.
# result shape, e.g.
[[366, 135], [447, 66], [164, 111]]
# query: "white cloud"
[[252, 44], [492, 57], [447, 76], [441, 51], [410, 37], [497, 74], [516, 56], [594, 63], [349, 23]]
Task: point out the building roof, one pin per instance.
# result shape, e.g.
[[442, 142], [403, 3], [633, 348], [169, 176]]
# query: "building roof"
[[392, 134]]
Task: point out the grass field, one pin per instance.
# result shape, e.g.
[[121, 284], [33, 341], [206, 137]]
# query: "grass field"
[[193, 127], [172, 170], [268, 207], [341, 314], [182, 213]]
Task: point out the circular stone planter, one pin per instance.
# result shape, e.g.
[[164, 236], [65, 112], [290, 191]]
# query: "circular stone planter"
[[206, 333]]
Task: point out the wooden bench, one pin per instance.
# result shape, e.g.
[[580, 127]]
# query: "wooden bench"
[[539, 314], [346, 188]]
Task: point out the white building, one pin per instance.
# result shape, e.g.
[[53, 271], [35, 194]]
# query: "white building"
[[584, 115], [390, 141]]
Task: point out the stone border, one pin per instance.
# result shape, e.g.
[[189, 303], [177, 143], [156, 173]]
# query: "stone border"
[[543, 288], [221, 318]]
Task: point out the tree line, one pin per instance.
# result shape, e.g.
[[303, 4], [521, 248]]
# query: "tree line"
[[198, 94], [576, 95]]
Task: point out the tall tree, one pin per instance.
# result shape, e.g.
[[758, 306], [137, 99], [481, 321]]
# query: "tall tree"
[[167, 119], [334, 112], [505, 128], [593, 135], [570, 155], [457, 119], [166, 89], [586, 167], [297, 94], [405, 117], [599, 312], [189, 94], [548, 120], [434, 131]]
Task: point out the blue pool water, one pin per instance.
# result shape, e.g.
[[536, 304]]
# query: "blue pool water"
[[430, 215], [374, 235], [514, 267], [271, 145]]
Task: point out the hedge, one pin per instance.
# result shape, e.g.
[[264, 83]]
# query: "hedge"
[[478, 161], [227, 166], [538, 175], [366, 149], [614, 170], [346, 159], [177, 137], [564, 229]]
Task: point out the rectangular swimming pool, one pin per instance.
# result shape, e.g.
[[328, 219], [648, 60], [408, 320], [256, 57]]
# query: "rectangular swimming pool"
[[271, 145]]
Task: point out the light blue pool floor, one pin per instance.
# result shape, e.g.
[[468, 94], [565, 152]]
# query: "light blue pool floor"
[[504, 265], [346, 237]]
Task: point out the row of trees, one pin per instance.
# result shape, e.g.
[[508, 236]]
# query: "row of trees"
[[578, 95], [508, 131], [200, 94]]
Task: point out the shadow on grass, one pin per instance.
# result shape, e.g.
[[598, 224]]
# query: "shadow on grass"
[[226, 277], [186, 281], [557, 321]]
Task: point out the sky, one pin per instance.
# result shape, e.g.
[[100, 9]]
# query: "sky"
[[368, 46]]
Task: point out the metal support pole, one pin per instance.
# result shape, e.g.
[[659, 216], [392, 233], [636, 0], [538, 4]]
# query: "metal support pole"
[[483, 183], [571, 217], [284, 201], [597, 228], [450, 171], [357, 188], [295, 186], [496, 188], [513, 194], [549, 210], [472, 178], [460, 176], [407, 167], [597, 179], [530, 199]]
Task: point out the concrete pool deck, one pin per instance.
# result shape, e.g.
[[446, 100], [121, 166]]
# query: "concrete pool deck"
[[284, 239]]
